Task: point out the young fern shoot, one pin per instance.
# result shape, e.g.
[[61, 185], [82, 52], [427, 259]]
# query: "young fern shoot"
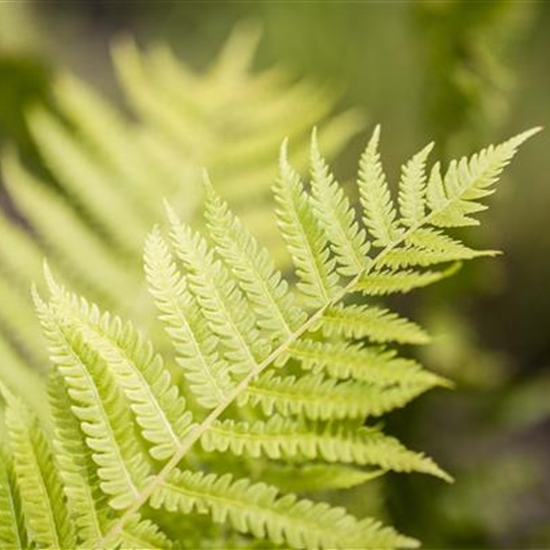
[[273, 375]]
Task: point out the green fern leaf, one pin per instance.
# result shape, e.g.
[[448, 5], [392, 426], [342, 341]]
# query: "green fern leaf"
[[40, 486], [143, 534], [378, 367], [101, 127], [12, 529], [337, 217], [423, 257], [273, 305], [50, 217], [221, 301], [468, 180], [412, 188], [113, 168], [204, 370], [86, 501], [388, 281], [379, 212], [319, 398], [92, 188], [101, 408], [427, 246], [304, 237], [309, 478], [160, 410], [77, 468], [258, 509], [378, 324], [232, 321], [281, 438]]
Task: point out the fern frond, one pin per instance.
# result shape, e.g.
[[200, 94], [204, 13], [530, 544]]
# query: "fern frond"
[[101, 408], [388, 281], [281, 438], [379, 214], [412, 188], [276, 312], [260, 510], [77, 469], [332, 208], [304, 237], [319, 398], [378, 367], [102, 127], [92, 188], [40, 486], [220, 299], [141, 534], [49, 216], [422, 257], [426, 246], [12, 528], [111, 171], [86, 501], [231, 122], [155, 105], [377, 324], [159, 409], [232, 321], [206, 373], [456, 196]]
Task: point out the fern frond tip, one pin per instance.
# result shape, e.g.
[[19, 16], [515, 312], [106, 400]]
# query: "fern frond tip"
[[206, 181], [39, 303], [53, 286], [283, 156], [173, 218], [524, 136]]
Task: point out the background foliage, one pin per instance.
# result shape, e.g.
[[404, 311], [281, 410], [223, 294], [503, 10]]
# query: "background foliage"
[[465, 73]]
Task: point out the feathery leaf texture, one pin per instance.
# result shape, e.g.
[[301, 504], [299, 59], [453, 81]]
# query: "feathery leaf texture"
[[111, 171], [377, 324], [379, 211], [12, 529], [258, 278], [259, 509], [375, 365], [285, 438], [38, 480], [336, 216], [318, 398], [204, 369], [305, 238], [144, 440], [387, 281], [225, 307]]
